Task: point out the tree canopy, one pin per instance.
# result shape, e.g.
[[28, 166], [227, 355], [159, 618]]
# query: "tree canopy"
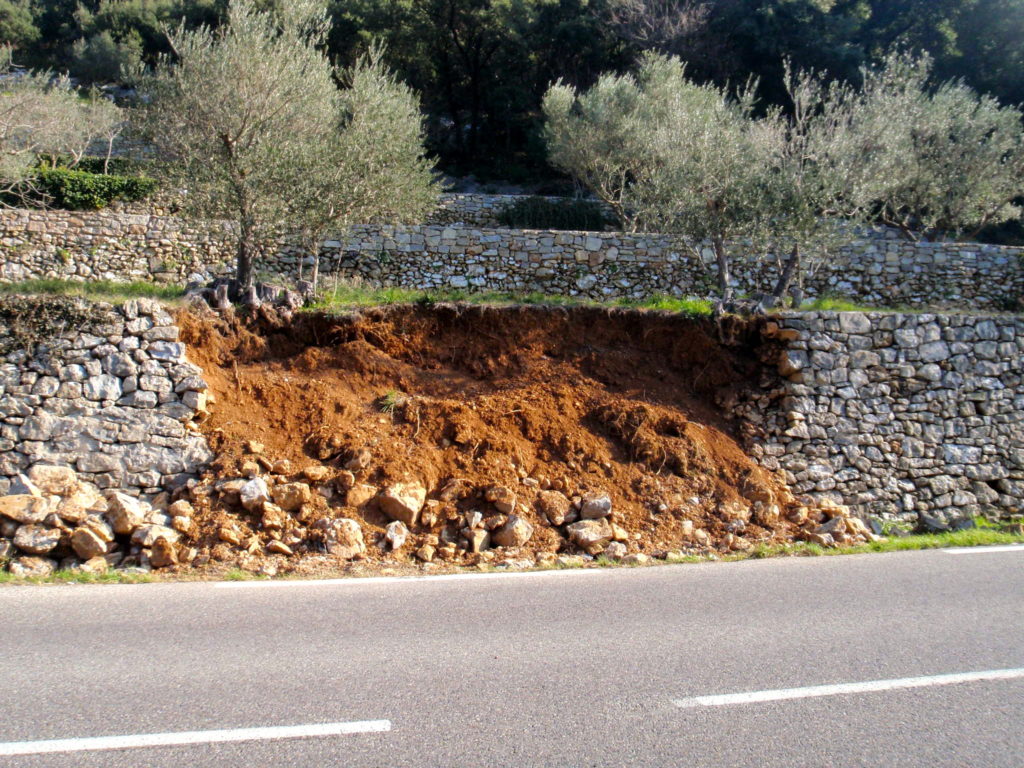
[[482, 66]]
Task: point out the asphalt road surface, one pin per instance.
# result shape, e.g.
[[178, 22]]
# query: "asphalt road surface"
[[689, 665]]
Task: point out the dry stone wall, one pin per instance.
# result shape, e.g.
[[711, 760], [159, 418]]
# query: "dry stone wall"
[[899, 414], [874, 269], [114, 401]]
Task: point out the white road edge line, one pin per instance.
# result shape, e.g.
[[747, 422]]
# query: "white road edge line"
[[357, 580], [984, 550], [872, 686], [191, 737]]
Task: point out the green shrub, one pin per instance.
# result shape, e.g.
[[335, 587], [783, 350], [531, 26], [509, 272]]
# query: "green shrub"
[[544, 213], [84, 191]]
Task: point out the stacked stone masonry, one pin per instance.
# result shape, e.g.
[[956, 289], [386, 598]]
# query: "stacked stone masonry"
[[897, 414], [115, 403], [874, 269]]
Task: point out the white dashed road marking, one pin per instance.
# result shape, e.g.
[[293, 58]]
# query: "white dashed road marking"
[[100, 743], [871, 686]]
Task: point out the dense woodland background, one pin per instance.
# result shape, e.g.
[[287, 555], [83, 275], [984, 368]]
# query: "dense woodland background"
[[483, 66]]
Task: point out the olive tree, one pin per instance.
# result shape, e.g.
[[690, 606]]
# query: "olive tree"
[[943, 160], [671, 155], [370, 168], [43, 115], [250, 119]]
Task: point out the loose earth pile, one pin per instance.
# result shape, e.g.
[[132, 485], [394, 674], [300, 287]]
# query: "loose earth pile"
[[443, 436]]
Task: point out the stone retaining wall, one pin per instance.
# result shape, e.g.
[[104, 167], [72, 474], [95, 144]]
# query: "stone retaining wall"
[[900, 413], [115, 401], [873, 269]]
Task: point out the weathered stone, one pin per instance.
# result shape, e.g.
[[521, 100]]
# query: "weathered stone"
[[503, 499], [253, 494], [125, 512], [595, 505], [514, 533], [56, 480], [37, 539], [360, 494], [590, 534], [181, 508], [24, 508], [279, 548], [554, 506], [88, 544], [163, 554], [615, 550], [396, 534], [146, 535], [403, 501], [426, 553], [291, 496], [343, 536], [32, 567]]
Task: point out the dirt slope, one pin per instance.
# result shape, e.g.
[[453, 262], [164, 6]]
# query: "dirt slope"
[[462, 400]]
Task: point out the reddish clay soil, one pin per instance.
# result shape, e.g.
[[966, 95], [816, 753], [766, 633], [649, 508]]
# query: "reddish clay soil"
[[461, 399]]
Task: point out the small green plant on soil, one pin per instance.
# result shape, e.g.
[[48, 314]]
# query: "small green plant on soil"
[[390, 401]]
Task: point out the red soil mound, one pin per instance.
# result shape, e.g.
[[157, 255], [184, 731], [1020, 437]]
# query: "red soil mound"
[[584, 400]]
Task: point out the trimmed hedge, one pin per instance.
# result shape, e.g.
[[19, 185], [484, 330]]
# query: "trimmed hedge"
[[77, 190], [542, 213]]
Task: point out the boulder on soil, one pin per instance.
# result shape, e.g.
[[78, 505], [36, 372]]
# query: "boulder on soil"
[[163, 554], [343, 536], [146, 535], [24, 508], [837, 525], [360, 494], [181, 508], [253, 494], [477, 539], [88, 544], [32, 567], [95, 565], [426, 553], [278, 548], [316, 473], [555, 507], [291, 496], [595, 506], [615, 550], [403, 501], [59, 481], [590, 535], [274, 518], [77, 505], [396, 534], [503, 499], [514, 533], [125, 512], [37, 539]]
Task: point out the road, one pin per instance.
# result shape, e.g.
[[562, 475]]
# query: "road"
[[567, 668]]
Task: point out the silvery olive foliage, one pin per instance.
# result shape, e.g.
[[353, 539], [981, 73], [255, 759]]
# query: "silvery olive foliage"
[[44, 116], [253, 126], [672, 155], [944, 161]]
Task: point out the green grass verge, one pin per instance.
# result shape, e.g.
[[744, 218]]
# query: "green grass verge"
[[344, 297], [80, 577], [107, 290]]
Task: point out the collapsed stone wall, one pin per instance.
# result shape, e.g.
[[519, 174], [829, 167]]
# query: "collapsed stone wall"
[[873, 269], [900, 414], [113, 398]]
